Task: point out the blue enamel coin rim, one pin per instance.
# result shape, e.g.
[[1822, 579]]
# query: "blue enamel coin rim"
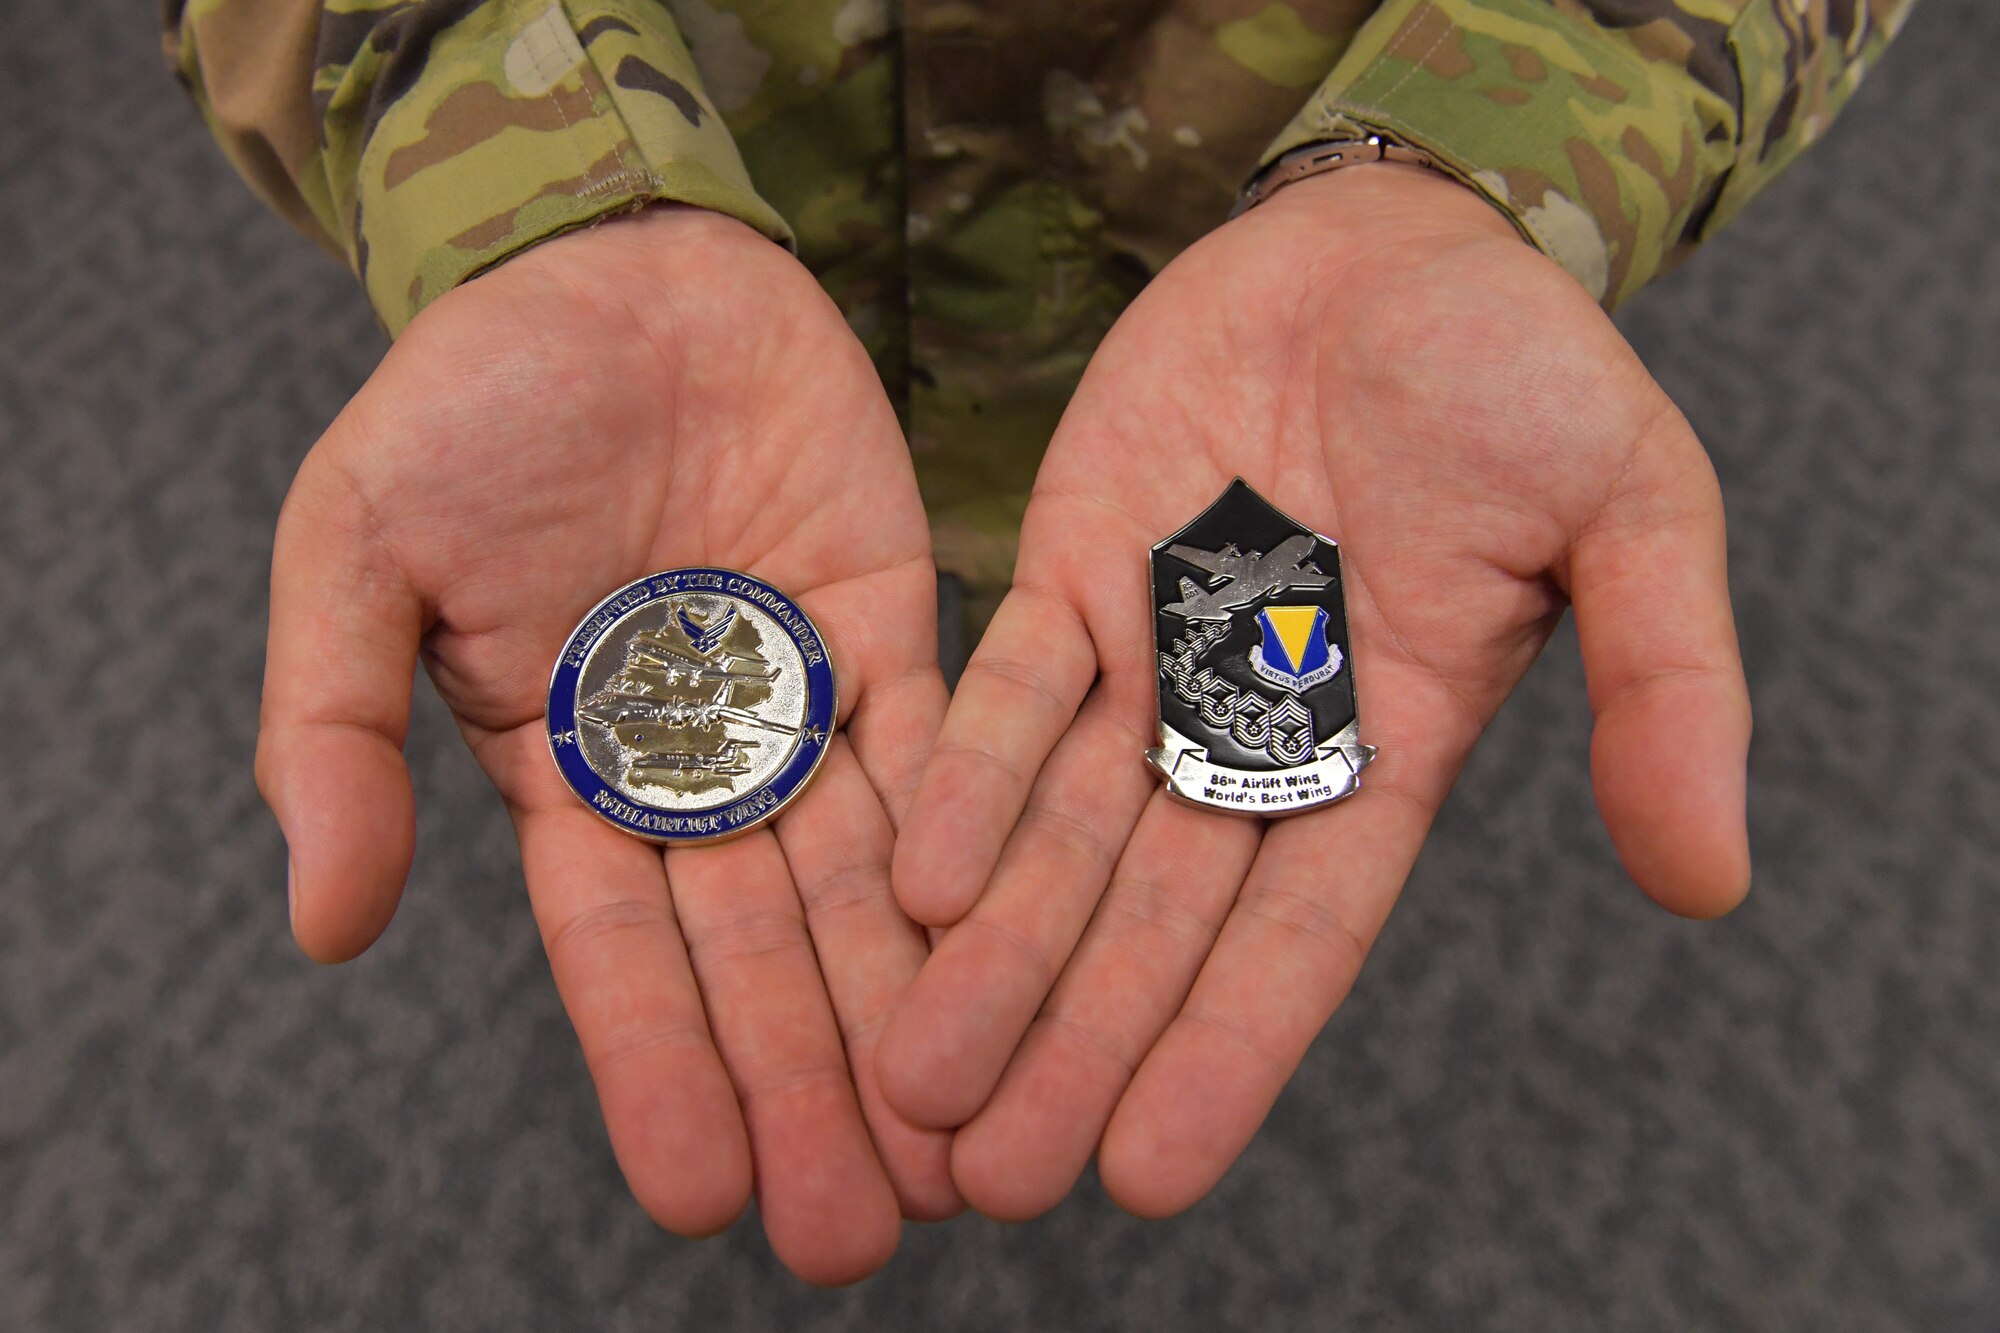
[[743, 813]]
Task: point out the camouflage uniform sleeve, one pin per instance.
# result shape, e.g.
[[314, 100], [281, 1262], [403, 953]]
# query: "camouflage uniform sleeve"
[[1617, 134], [424, 141]]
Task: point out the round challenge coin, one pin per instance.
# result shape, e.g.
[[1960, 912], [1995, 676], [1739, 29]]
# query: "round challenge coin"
[[691, 705]]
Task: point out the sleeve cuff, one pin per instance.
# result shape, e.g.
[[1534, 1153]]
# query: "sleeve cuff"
[[1607, 158], [522, 121]]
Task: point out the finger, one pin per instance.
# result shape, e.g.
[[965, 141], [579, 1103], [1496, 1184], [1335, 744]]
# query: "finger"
[[1315, 898], [949, 1039], [893, 731], [882, 632], [1022, 1153], [827, 1205], [1017, 696], [345, 626], [614, 946], [836, 841], [1650, 581]]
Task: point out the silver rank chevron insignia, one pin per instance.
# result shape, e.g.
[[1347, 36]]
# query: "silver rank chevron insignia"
[[1257, 711]]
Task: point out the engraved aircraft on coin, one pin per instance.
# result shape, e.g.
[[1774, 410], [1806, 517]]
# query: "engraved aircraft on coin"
[[1247, 576], [671, 703]]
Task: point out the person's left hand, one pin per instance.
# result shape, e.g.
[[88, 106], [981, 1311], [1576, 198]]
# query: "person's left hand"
[[1380, 356]]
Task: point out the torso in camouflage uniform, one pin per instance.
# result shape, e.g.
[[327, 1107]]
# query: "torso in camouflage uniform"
[[983, 186]]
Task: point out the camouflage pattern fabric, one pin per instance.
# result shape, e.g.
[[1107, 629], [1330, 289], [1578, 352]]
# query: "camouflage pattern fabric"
[[984, 186], [425, 142], [1616, 133]]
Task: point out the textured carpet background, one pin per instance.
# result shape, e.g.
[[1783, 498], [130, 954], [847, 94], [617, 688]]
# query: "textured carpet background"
[[1547, 1106]]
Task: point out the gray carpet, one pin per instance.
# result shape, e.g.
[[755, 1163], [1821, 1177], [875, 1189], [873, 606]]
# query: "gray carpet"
[[1547, 1106]]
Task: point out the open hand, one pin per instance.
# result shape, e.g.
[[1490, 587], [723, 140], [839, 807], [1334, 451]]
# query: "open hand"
[[1380, 355], [666, 389]]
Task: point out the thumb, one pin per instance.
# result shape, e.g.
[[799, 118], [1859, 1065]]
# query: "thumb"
[[1649, 579], [343, 643]]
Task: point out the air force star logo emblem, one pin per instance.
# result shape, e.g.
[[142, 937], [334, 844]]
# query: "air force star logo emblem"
[[704, 634], [1257, 708]]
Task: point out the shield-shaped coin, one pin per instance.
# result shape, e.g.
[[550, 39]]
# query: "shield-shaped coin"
[[1257, 703]]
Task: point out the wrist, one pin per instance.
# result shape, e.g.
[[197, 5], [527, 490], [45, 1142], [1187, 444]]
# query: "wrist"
[[662, 241], [1394, 195], [643, 268]]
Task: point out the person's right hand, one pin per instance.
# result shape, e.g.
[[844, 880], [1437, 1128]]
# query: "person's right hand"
[[666, 389]]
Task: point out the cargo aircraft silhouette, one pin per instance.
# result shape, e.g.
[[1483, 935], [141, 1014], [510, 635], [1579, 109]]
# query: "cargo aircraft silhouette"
[[1247, 576]]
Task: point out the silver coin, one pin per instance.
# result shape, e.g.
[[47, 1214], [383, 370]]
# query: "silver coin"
[[691, 705]]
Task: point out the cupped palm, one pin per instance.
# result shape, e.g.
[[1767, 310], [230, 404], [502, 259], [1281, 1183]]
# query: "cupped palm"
[[668, 389], [1382, 357]]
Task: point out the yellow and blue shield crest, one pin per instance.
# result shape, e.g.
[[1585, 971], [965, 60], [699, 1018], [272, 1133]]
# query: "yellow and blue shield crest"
[[1295, 653]]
